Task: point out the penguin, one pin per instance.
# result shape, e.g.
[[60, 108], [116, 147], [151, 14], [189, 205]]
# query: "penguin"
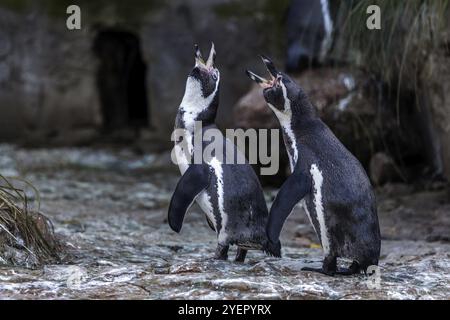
[[230, 194], [326, 180], [309, 33]]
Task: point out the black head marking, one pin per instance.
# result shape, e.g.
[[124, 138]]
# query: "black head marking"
[[205, 72]]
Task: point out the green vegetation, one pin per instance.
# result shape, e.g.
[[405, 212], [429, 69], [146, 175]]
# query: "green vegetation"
[[410, 30]]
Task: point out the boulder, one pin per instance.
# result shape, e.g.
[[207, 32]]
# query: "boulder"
[[382, 169]]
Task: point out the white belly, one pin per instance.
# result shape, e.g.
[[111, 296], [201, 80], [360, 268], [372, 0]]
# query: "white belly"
[[203, 199]]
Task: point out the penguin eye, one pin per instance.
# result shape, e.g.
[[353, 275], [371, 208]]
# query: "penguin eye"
[[214, 76]]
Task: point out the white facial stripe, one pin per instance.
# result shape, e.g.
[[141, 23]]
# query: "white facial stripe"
[[217, 167], [328, 24], [285, 118], [318, 181], [193, 102]]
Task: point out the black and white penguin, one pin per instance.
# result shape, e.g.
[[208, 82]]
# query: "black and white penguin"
[[327, 180], [229, 193], [309, 33]]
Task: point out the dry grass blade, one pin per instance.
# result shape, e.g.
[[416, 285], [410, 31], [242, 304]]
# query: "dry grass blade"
[[24, 229], [411, 30]]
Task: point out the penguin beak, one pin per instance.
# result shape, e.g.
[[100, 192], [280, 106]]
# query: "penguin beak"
[[270, 67], [198, 57], [212, 57], [200, 62], [259, 80], [274, 74]]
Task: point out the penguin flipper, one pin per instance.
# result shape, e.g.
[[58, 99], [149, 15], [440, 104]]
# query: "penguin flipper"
[[294, 189], [194, 180]]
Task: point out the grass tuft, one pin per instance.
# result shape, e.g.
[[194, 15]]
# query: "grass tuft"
[[410, 30], [26, 236]]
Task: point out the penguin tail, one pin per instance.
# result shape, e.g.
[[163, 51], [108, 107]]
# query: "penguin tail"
[[272, 249]]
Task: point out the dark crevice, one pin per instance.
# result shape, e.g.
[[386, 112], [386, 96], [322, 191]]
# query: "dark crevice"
[[121, 80]]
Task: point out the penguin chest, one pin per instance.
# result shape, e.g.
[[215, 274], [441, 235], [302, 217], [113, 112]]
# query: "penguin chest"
[[204, 198], [182, 152]]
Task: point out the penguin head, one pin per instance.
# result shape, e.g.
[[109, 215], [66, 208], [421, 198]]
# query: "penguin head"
[[280, 91], [201, 96], [204, 77]]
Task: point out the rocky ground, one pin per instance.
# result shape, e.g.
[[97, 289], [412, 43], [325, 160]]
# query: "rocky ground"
[[109, 207]]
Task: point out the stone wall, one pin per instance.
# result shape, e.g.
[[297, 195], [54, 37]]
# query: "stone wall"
[[46, 77], [48, 73]]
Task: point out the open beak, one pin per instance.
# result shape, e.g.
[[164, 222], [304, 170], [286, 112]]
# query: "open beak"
[[209, 64], [274, 74], [212, 57], [198, 56]]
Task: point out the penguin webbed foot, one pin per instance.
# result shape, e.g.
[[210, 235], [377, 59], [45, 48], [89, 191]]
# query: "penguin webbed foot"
[[221, 252], [272, 249], [330, 268], [354, 268], [326, 272], [240, 255]]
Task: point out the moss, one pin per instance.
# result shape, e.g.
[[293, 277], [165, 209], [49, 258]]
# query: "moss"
[[410, 30]]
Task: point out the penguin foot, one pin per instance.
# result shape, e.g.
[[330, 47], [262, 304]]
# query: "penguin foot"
[[221, 252], [320, 270], [331, 269], [353, 269], [345, 272], [329, 266], [240, 255], [272, 249]]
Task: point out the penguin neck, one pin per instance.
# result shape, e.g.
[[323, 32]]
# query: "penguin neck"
[[290, 138], [195, 107], [294, 122]]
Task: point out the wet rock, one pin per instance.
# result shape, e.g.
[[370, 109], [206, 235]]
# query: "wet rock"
[[127, 252], [382, 169], [251, 111], [189, 267]]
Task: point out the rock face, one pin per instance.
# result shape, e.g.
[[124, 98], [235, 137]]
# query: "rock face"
[[439, 103], [48, 73], [46, 77], [382, 169]]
